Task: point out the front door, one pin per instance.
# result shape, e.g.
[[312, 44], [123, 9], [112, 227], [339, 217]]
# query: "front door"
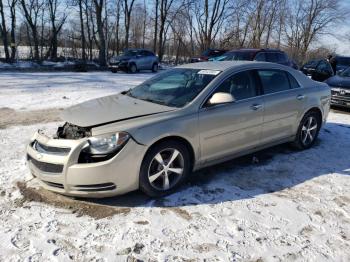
[[226, 129]]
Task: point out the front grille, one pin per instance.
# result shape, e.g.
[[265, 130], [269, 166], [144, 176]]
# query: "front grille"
[[54, 184], [61, 151], [95, 187], [45, 167], [341, 93]]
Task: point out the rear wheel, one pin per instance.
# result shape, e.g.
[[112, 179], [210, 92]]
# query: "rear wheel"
[[164, 168], [308, 130]]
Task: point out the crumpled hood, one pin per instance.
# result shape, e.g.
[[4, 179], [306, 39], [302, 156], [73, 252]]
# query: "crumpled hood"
[[110, 109], [338, 81]]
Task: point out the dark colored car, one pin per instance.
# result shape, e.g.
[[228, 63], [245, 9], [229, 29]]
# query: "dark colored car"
[[310, 66], [133, 60], [264, 55], [318, 70], [208, 54], [340, 86], [342, 63]]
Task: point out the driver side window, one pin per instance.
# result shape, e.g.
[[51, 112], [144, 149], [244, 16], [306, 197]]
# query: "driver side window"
[[241, 85]]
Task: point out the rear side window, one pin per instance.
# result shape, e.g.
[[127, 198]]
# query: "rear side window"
[[274, 81], [241, 85], [293, 82]]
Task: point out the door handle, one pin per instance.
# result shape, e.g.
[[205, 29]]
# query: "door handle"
[[300, 97], [256, 107]]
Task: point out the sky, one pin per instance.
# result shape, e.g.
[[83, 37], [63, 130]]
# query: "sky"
[[340, 42]]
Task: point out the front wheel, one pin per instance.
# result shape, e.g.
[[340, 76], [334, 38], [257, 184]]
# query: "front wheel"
[[132, 69], [308, 130], [154, 67], [164, 168]]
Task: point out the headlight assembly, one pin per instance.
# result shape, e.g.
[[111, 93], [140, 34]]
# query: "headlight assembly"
[[101, 148]]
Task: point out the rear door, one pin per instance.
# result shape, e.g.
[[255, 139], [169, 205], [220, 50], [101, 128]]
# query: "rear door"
[[141, 60], [284, 100], [226, 129]]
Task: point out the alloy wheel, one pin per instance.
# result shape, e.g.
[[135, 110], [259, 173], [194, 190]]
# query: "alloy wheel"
[[166, 169], [309, 130]]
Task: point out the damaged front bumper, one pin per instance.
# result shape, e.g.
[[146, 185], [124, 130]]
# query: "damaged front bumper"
[[55, 163]]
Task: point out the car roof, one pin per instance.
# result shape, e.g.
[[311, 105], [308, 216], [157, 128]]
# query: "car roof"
[[256, 50], [137, 49], [226, 65]]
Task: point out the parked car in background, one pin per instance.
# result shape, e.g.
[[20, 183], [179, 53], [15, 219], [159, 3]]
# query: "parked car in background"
[[318, 70], [342, 63], [134, 60], [208, 54], [340, 87], [309, 66], [154, 135], [262, 55]]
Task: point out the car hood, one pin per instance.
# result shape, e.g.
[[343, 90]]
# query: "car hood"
[[339, 81], [110, 109]]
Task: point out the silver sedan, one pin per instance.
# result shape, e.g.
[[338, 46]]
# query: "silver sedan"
[[152, 136]]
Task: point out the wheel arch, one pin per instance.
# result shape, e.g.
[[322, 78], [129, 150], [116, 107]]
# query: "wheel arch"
[[316, 110], [179, 139]]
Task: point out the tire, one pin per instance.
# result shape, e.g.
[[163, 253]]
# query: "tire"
[[307, 131], [132, 68], [114, 71], [155, 68], [157, 179]]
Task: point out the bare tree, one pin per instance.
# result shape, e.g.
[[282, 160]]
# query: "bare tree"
[[12, 5], [165, 6], [83, 40], [31, 10], [127, 6], [155, 37], [4, 32], [210, 16], [101, 35], [308, 20], [56, 25]]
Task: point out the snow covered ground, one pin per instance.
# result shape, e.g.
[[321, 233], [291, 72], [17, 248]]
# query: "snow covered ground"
[[290, 206]]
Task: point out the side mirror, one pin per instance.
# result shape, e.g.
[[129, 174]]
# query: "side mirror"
[[221, 98]]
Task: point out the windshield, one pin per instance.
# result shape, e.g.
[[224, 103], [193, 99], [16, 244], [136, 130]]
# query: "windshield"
[[218, 58], [345, 73], [312, 63], [344, 61], [175, 87], [233, 56]]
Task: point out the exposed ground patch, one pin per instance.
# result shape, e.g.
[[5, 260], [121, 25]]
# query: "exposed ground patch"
[[11, 117], [78, 207]]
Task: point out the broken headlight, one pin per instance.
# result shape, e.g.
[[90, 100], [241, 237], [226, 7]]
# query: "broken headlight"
[[101, 148], [106, 144]]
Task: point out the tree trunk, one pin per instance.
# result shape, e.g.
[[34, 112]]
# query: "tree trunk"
[[100, 31], [117, 28], [4, 32], [155, 28], [13, 29], [83, 43]]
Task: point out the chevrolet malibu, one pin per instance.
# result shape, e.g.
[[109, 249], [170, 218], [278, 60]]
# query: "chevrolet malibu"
[[153, 136]]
